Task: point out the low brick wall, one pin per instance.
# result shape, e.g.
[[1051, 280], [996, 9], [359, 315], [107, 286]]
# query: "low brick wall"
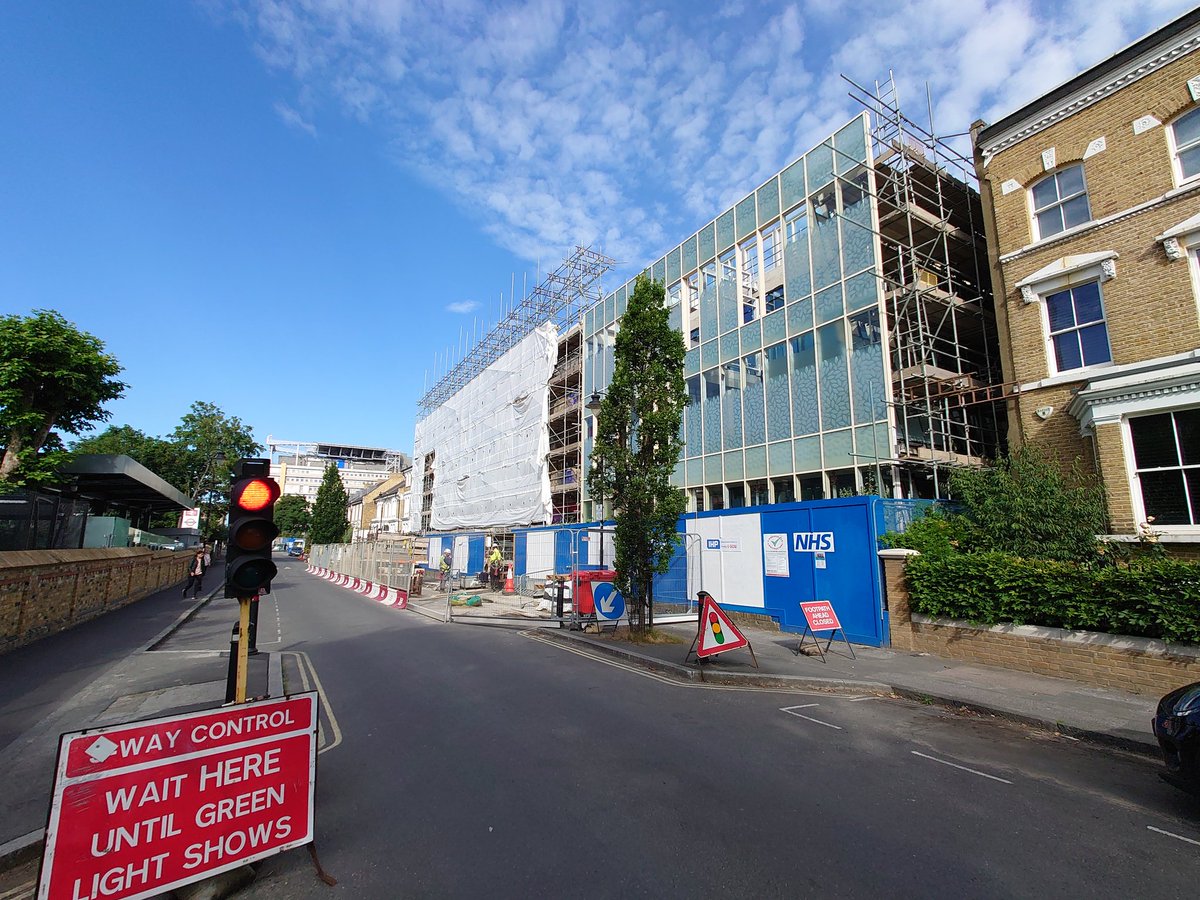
[[1112, 661], [43, 592]]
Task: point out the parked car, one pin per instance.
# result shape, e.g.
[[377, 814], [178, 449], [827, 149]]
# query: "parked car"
[[1177, 727], [295, 550]]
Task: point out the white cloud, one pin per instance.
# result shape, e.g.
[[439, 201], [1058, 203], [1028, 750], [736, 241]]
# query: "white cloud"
[[463, 306], [633, 123], [292, 117]]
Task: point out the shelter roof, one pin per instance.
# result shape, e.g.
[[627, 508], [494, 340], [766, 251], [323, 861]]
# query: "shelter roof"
[[123, 481]]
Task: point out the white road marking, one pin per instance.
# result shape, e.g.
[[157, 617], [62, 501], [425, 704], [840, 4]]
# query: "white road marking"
[[957, 766], [790, 710], [1178, 837], [333, 725], [21, 890]]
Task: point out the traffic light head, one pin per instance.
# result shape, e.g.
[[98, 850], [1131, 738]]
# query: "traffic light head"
[[248, 565]]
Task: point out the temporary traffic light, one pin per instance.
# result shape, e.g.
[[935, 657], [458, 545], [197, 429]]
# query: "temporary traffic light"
[[252, 528]]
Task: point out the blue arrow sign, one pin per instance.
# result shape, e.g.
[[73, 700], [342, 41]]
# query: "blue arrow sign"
[[610, 605]]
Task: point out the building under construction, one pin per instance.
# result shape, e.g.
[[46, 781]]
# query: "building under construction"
[[299, 466], [839, 325]]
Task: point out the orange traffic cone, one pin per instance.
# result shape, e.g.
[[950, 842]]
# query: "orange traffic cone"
[[509, 587]]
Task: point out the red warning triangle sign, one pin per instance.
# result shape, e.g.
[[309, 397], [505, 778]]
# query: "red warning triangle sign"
[[717, 631]]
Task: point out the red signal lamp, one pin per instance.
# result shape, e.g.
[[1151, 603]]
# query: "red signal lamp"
[[256, 494]]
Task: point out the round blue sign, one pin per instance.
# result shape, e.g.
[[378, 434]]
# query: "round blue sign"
[[610, 605]]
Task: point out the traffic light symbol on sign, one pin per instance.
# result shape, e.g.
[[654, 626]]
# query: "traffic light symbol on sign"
[[248, 566]]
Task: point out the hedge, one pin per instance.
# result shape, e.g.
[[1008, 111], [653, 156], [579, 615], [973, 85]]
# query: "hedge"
[[1157, 598]]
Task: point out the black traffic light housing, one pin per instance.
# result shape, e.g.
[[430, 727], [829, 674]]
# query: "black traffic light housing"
[[248, 565]]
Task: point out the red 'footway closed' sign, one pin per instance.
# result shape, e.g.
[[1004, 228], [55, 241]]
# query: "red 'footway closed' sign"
[[142, 808], [820, 615]]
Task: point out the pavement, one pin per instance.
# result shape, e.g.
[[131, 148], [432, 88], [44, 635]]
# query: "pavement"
[[146, 679], [1114, 718], [168, 673]]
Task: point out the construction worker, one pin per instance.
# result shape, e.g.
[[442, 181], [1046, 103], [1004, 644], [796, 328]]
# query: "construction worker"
[[495, 567], [444, 569]]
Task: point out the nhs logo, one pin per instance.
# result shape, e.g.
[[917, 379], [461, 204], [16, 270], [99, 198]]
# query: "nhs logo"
[[812, 541]]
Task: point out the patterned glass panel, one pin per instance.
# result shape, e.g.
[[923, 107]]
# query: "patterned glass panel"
[[753, 426], [610, 309], [829, 304], [675, 317], [677, 475], [712, 469], [622, 297], [791, 183], [795, 265], [835, 382], [851, 144], [689, 254], [866, 367], [710, 407], [691, 361], [725, 236], [693, 418], [709, 354], [660, 272], [800, 316], [731, 404], [708, 312], [774, 327], [858, 240], [802, 349], [768, 201], [589, 321], [779, 401], [752, 339], [862, 290], [779, 458], [731, 304], [734, 464], [746, 220], [808, 454], [872, 443], [707, 249], [729, 347], [695, 471], [820, 166], [756, 462], [823, 234], [673, 272], [839, 449]]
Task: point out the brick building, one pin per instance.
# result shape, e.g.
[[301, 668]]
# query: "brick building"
[[1092, 200]]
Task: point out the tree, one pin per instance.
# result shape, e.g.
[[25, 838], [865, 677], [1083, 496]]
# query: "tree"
[[638, 445], [328, 524], [52, 377], [292, 516], [164, 458], [204, 432]]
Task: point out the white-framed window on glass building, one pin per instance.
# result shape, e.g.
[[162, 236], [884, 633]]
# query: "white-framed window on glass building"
[[771, 247], [1185, 145], [1077, 334], [795, 224], [1166, 461], [1059, 201]]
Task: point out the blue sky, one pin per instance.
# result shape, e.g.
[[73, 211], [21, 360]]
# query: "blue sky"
[[329, 191]]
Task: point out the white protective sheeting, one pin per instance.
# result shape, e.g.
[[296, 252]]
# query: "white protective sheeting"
[[490, 442]]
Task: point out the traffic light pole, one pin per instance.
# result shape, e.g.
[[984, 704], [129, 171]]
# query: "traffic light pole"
[[243, 649]]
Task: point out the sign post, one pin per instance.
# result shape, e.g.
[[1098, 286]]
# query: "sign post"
[[142, 808], [819, 616]]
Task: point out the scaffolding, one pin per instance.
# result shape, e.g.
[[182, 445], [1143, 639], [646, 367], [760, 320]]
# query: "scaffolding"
[[560, 298], [948, 393], [566, 427]]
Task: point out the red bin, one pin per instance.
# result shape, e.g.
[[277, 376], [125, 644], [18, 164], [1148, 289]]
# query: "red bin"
[[581, 589]]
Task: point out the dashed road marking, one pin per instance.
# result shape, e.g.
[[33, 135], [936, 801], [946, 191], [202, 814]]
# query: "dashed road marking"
[[791, 711], [1178, 837], [945, 762]]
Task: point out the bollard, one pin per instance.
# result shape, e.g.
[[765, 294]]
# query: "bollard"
[[254, 626], [231, 679], [559, 602]]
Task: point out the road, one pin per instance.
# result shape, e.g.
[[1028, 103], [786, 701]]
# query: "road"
[[478, 761]]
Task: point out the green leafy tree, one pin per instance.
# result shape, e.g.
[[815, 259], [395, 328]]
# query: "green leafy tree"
[[53, 377], [638, 445], [328, 524], [164, 458], [292, 516], [204, 433]]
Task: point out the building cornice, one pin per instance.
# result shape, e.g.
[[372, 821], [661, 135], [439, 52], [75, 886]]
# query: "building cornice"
[[1105, 80]]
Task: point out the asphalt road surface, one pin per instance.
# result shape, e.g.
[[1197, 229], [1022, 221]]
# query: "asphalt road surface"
[[475, 761]]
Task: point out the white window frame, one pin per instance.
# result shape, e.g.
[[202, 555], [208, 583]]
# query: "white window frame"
[[1062, 274], [1176, 167], [1148, 408], [1033, 210]]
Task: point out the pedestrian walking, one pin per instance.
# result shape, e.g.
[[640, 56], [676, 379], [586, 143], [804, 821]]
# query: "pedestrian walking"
[[195, 574]]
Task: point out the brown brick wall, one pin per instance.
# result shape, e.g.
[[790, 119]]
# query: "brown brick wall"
[[1146, 672], [44, 592]]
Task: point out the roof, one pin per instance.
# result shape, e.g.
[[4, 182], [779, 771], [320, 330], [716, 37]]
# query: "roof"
[[123, 481]]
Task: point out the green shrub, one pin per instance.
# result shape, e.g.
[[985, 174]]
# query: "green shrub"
[[1157, 598]]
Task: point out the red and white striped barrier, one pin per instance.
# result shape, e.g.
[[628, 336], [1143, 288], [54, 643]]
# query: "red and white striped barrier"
[[397, 598], [366, 588]]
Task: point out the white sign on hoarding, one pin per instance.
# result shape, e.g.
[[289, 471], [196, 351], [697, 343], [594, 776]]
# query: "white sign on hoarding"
[[775, 555]]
